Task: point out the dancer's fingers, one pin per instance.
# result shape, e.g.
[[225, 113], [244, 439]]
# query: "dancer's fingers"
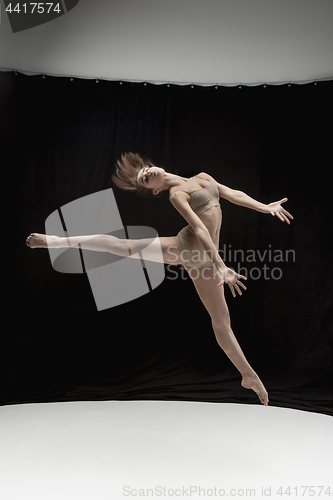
[[286, 218], [288, 214], [242, 285]]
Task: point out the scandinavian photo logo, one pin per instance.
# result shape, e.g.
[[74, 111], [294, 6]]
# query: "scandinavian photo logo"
[[113, 279], [254, 264]]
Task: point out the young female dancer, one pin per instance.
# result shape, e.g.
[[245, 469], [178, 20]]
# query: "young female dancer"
[[195, 246]]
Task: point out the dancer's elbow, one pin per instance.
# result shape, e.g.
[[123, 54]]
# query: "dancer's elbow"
[[201, 232]]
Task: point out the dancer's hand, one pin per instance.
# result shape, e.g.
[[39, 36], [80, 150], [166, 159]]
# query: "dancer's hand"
[[275, 208], [230, 277]]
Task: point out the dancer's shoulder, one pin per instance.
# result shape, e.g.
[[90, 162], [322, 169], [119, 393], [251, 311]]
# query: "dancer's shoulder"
[[207, 177]]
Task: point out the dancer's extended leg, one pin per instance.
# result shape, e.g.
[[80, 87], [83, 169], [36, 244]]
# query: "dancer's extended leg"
[[162, 250], [212, 296]]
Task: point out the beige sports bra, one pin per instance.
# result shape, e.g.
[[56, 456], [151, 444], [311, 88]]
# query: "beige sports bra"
[[204, 198]]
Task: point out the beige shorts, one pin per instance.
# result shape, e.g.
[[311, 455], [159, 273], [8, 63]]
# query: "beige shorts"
[[192, 252]]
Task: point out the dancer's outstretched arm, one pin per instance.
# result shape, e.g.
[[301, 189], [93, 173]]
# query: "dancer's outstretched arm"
[[240, 198]]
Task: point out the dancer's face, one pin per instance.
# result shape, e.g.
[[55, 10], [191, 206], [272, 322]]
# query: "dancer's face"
[[151, 178]]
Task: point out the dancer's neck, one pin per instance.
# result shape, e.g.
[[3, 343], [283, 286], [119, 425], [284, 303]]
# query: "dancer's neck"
[[172, 180]]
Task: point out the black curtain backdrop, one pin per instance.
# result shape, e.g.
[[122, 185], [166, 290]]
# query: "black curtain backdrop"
[[60, 140]]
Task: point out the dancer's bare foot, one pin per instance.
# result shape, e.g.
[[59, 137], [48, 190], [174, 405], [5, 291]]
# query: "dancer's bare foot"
[[36, 240], [257, 386]]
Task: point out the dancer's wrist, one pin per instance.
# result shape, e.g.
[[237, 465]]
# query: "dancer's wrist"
[[221, 267]]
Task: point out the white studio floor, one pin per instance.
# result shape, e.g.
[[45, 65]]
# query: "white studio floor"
[[147, 449]]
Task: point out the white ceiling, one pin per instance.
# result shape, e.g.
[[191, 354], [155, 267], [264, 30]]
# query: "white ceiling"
[[182, 41]]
